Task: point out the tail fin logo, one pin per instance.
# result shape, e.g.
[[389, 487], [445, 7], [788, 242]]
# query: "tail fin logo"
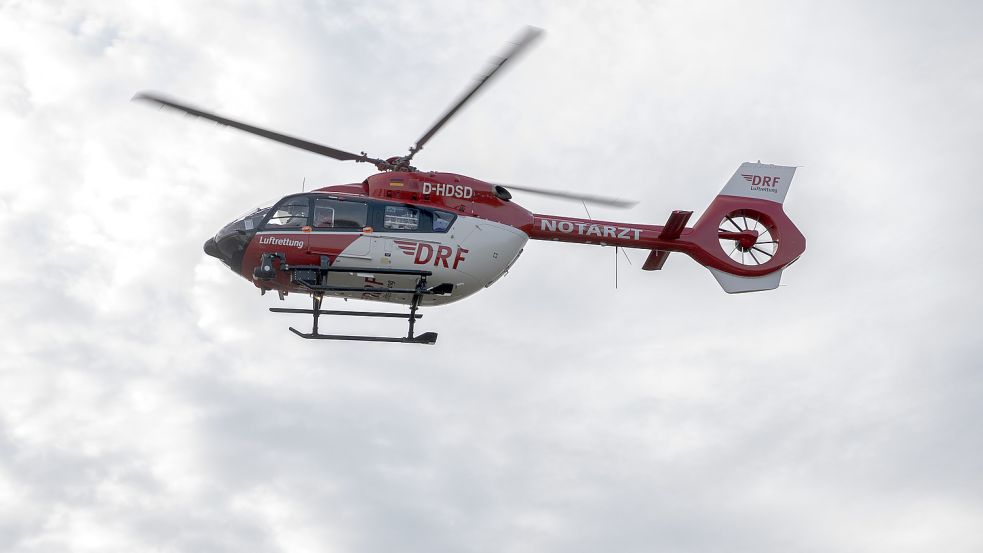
[[763, 183]]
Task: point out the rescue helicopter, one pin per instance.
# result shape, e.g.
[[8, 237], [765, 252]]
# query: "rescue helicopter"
[[425, 238]]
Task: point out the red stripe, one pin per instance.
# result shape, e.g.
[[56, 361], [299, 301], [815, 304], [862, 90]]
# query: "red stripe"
[[409, 248]]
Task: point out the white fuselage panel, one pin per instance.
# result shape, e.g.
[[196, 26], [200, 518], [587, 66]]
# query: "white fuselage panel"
[[471, 255]]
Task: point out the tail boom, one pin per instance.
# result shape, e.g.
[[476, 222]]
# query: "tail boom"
[[699, 242], [736, 238]]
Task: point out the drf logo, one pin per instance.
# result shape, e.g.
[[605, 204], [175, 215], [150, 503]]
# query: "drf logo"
[[424, 253], [765, 183], [758, 180]]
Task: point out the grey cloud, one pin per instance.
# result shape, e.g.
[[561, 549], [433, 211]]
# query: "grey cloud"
[[149, 402]]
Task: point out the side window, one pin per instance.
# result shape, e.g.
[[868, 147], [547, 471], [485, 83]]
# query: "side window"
[[337, 214], [399, 217], [442, 221], [290, 214]]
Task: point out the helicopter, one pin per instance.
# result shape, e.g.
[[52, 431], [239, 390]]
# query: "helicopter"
[[425, 238]]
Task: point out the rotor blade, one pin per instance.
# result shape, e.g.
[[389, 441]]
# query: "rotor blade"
[[599, 200], [529, 35], [282, 138]]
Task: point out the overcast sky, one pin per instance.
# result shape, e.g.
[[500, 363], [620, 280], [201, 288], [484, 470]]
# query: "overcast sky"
[[149, 402]]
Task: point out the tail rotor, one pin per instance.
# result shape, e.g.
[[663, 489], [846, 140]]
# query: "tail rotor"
[[745, 236], [748, 237]]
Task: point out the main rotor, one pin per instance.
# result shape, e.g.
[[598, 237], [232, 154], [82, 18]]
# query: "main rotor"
[[396, 163]]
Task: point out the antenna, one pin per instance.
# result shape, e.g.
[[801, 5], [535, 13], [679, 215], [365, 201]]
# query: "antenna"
[[616, 264], [303, 185]]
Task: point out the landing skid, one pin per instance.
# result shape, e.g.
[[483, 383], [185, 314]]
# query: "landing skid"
[[429, 338], [318, 288]]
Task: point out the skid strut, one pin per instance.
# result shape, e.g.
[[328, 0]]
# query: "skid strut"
[[318, 289]]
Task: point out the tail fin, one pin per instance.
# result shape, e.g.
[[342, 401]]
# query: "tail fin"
[[746, 238], [760, 181]]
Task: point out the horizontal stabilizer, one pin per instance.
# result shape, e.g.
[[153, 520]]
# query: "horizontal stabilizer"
[[673, 229], [675, 225], [655, 260]]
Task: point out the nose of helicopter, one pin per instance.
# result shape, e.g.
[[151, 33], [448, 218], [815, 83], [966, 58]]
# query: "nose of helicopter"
[[230, 242], [228, 247], [223, 249], [211, 248]]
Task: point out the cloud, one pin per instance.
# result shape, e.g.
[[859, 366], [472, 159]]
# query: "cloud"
[[149, 402]]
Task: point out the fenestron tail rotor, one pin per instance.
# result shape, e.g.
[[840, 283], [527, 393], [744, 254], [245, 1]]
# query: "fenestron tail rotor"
[[748, 238]]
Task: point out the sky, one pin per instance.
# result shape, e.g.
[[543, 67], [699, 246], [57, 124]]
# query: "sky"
[[149, 401]]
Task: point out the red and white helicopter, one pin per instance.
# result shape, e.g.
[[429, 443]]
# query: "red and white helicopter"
[[425, 238]]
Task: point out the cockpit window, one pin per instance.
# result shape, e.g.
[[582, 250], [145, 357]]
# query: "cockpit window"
[[408, 218], [401, 217], [291, 213], [442, 221], [252, 220], [245, 223], [337, 214]]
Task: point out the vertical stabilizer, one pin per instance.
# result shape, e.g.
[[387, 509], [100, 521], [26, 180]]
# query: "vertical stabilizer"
[[760, 181]]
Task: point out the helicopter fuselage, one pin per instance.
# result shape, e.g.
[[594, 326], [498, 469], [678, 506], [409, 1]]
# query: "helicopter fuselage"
[[464, 232], [470, 256]]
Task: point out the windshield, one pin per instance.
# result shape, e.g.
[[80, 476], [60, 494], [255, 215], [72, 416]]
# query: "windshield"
[[245, 223], [290, 213]]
